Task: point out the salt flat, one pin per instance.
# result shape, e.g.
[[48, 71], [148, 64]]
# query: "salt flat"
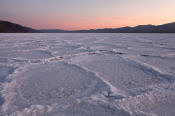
[[87, 74]]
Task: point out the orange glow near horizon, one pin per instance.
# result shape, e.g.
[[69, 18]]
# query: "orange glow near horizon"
[[87, 14], [94, 23]]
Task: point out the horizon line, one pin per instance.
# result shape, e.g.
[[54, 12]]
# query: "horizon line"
[[85, 29]]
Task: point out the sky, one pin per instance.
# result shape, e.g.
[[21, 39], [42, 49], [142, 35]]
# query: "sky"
[[87, 14]]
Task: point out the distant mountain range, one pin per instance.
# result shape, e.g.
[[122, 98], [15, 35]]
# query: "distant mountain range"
[[8, 27]]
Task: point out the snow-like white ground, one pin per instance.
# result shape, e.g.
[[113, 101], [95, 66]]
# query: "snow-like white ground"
[[87, 74]]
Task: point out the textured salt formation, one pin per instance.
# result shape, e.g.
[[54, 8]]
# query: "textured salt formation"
[[87, 74]]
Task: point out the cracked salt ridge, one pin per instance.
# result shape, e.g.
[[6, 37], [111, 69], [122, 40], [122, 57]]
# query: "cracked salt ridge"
[[156, 99], [154, 69], [114, 95], [108, 93], [98, 85], [161, 92], [44, 60], [25, 110], [114, 92], [28, 55], [125, 41], [146, 68], [6, 71]]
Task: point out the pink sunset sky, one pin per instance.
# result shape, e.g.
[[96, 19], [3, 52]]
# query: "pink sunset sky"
[[86, 14]]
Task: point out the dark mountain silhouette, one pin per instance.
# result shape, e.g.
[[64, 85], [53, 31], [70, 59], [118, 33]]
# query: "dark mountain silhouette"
[[166, 28], [8, 27]]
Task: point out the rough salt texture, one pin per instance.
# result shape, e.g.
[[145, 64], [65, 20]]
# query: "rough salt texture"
[[87, 74]]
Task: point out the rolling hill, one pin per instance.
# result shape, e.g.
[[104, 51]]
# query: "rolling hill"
[[8, 27]]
